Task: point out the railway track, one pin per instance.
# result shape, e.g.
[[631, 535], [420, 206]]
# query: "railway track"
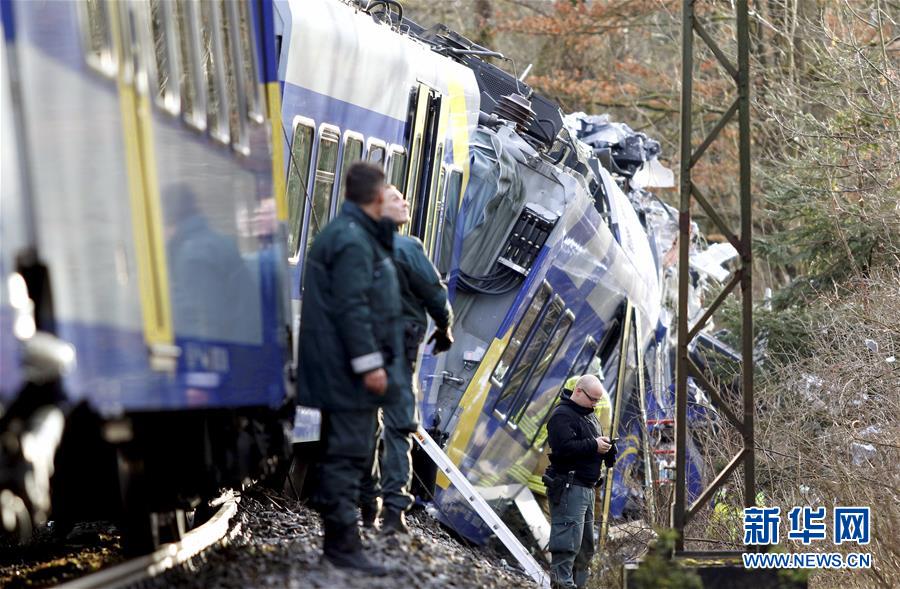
[[166, 556]]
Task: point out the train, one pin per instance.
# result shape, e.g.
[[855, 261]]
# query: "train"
[[172, 162], [152, 248], [552, 269]]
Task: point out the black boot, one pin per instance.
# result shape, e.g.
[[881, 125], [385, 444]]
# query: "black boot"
[[343, 549], [394, 522], [369, 513]]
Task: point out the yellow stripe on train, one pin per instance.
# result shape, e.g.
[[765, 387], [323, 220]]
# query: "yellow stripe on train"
[[146, 210], [273, 98], [472, 403]]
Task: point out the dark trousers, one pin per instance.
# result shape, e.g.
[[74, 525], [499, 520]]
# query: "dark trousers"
[[348, 438], [396, 465], [388, 473], [572, 537], [370, 485]]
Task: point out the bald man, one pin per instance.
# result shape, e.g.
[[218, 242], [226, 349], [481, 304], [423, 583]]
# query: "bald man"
[[577, 448]]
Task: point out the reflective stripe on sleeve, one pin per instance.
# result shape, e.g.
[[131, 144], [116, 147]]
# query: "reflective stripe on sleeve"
[[366, 363]]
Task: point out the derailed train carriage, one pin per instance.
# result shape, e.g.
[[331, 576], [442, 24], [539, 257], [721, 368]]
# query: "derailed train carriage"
[[550, 268], [142, 134], [581, 284]]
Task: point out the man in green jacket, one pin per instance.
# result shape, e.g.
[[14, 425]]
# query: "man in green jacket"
[[421, 291], [351, 353]]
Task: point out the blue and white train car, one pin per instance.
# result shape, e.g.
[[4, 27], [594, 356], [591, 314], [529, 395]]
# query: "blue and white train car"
[[355, 88], [150, 165]]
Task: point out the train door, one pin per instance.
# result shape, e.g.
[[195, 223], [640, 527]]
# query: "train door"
[[627, 383], [433, 148], [426, 154], [418, 118], [211, 158]]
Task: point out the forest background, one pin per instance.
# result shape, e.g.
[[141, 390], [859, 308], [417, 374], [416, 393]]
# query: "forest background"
[[826, 187]]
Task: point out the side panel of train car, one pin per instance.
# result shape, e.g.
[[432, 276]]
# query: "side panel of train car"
[[12, 240], [151, 168], [32, 359]]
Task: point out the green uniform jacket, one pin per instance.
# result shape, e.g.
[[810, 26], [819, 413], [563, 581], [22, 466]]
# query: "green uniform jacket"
[[350, 322], [421, 288]]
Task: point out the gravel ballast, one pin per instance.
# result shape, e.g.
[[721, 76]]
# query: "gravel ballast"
[[277, 542]]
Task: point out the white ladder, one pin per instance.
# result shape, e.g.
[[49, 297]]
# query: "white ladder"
[[477, 502]]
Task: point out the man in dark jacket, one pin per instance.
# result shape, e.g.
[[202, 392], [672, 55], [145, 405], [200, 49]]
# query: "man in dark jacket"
[[577, 451], [213, 290], [421, 290], [351, 353]]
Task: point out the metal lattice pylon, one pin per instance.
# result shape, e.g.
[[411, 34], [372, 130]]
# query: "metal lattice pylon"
[[740, 74]]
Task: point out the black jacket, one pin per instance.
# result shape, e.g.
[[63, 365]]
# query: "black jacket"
[[421, 288], [213, 292], [350, 322], [572, 432]]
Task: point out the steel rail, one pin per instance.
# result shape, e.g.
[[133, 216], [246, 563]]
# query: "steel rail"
[[166, 556]]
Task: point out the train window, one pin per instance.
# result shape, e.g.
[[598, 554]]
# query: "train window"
[[447, 225], [298, 179], [539, 369], [529, 356], [412, 182], [433, 227], [610, 342], [139, 43], [396, 168], [218, 99], [235, 77], [376, 152], [435, 201], [584, 358], [579, 367], [521, 333], [250, 60], [126, 46], [625, 380], [192, 77], [166, 48], [353, 152], [96, 36], [323, 184]]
